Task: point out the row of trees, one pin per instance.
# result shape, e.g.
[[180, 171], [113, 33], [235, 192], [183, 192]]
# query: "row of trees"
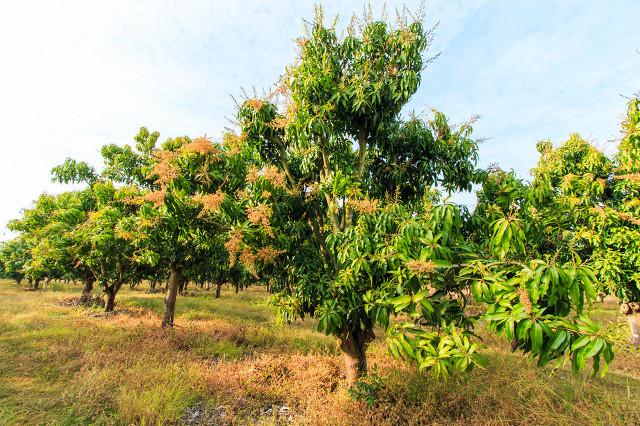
[[331, 197]]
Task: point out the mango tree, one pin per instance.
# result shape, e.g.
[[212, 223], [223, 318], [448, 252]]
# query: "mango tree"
[[50, 225], [33, 227], [359, 178], [614, 228], [102, 241], [13, 255], [199, 195], [596, 197], [532, 274]]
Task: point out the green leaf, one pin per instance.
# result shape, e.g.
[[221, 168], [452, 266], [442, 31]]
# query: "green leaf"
[[536, 338], [441, 263], [561, 336], [580, 342], [593, 348], [480, 360]]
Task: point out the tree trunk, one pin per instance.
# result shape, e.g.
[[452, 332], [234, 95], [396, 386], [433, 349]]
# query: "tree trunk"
[[86, 290], [111, 299], [218, 289], [47, 282], [354, 349], [172, 293], [19, 281], [237, 288], [632, 313], [152, 285], [634, 325], [36, 283]]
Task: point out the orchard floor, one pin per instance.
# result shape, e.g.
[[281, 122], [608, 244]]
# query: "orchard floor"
[[227, 362]]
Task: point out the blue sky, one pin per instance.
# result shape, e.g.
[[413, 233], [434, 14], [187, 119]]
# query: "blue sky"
[[78, 74]]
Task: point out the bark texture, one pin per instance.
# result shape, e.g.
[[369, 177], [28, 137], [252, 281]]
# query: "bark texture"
[[218, 289], [175, 278], [632, 313], [354, 349], [111, 300], [86, 289]]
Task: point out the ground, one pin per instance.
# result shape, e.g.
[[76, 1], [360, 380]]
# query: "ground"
[[228, 362]]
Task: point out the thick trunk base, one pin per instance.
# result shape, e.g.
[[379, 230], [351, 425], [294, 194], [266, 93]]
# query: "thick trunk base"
[[86, 290], [110, 304], [218, 290], [354, 349]]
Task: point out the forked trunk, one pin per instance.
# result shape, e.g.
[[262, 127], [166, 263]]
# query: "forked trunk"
[[218, 289], [354, 349], [111, 299], [175, 278]]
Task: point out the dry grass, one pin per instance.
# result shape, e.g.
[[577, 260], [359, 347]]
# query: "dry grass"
[[227, 362]]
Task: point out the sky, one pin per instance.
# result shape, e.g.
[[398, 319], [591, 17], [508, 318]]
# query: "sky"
[[76, 75]]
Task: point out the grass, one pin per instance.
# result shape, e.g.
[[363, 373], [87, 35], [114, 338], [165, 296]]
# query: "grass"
[[227, 362]]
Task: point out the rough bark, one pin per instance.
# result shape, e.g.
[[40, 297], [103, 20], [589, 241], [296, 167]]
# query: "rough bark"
[[634, 325], [632, 313], [86, 289], [110, 304], [354, 349], [175, 278], [218, 289]]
